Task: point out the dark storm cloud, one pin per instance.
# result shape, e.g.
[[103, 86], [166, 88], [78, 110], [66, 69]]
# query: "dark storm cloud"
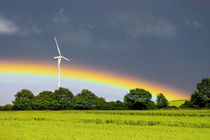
[[143, 25], [164, 41]]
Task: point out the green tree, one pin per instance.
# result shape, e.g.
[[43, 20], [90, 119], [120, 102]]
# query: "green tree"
[[7, 107], [200, 98], [23, 100], [46, 100], [151, 105], [101, 103], [162, 102], [116, 105], [85, 100], [186, 104], [64, 97], [137, 98], [204, 87]]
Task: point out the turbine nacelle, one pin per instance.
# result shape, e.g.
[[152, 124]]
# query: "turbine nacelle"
[[61, 57]]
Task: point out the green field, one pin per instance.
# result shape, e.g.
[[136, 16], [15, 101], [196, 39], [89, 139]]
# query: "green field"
[[105, 125], [176, 103]]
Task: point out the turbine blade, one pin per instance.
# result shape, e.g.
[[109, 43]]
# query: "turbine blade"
[[65, 58], [57, 46]]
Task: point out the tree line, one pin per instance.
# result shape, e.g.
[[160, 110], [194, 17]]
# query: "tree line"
[[136, 99], [63, 99]]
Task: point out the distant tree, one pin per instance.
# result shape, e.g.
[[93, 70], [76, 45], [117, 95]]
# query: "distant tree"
[[200, 98], [101, 103], [46, 100], [7, 107], [186, 104], [23, 100], [204, 87], [116, 105], [151, 105], [162, 102], [137, 98], [85, 100], [64, 97]]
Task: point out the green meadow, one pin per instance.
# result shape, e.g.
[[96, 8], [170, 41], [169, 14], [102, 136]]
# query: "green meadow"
[[105, 125], [176, 103]]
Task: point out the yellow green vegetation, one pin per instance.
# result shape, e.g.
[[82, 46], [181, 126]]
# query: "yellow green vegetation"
[[105, 125], [176, 103]]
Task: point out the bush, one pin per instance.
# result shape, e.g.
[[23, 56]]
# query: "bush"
[[151, 106], [7, 107], [186, 104], [116, 105]]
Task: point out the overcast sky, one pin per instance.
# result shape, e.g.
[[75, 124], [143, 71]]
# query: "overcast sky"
[[166, 41]]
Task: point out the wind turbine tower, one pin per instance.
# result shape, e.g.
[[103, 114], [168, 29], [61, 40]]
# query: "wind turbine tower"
[[59, 58]]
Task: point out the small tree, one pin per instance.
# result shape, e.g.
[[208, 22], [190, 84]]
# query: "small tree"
[[46, 100], [85, 100], [23, 100], [162, 102], [64, 97], [186, 104], [101, 103], [200, 98], [151, 105], [137, 98]]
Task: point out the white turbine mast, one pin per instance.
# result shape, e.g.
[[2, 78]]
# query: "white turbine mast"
[[59, 57]]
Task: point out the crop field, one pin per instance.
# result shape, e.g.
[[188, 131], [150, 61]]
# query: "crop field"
[[176, 103], [105, 125]]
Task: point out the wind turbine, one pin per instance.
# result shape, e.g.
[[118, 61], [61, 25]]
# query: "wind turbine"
[[59, 57]]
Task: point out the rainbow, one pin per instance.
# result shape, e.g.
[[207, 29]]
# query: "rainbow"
[[89, 75]]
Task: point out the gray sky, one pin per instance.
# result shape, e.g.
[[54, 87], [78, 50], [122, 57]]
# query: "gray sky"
[[166, 41]]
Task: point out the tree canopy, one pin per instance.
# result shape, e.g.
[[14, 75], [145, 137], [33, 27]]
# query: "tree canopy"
[[138, 98], [23, 100], [201, 97], [162, 102], [64, 97], [85, 100]]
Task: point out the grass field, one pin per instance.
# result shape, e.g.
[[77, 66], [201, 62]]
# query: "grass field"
[[176, 103], [105, 125]]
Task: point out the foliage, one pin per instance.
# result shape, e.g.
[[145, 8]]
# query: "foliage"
[[7, 107], [137, 98], [204, 87], [186, 104], [85, 100], [23, 100], [46, 100], [101, 103], [198, 100], [162, 102], [117, 105], [151, 106], [64, 97], [201, 96]]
